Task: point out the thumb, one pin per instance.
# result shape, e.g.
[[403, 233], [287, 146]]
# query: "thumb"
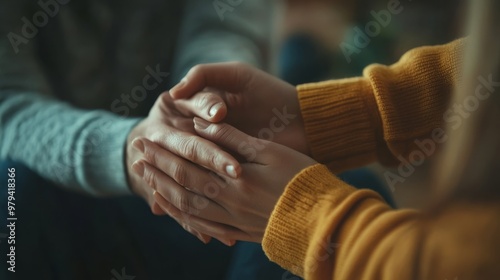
[[206, 105], [231, 138]]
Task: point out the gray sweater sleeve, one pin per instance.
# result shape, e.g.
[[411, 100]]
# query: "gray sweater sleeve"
[[217, 31], [79, 150]]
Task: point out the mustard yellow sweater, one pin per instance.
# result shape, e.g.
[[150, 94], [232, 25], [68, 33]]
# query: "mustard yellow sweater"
[[322, 228]]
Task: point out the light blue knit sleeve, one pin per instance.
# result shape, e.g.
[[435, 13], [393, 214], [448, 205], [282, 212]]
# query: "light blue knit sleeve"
[[79, 150]]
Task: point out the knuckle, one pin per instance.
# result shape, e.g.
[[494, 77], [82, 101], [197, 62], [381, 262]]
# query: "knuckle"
[[183, 203], [221, 132], [189, 147], [151, 155], [179, 173], [202, 100], [150, 178], [161, 137], [214, 159]]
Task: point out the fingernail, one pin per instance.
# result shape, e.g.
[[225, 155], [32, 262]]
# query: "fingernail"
[[200, 124], [231, 171], [138, 168], [213, 111], [138, 145]]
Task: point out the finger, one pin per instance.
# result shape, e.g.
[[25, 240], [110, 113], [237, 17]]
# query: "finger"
[[178, 196], [228, 76], [222, 232], [207, 105], [184, 172], [183, 199], [198, 150], [202, 237], [233, 139], [157, 210]]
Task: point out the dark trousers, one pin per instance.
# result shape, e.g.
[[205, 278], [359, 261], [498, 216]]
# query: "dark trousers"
[[63, 235]]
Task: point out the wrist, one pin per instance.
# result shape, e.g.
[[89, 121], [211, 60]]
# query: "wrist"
[[295, 137], [131, 156]]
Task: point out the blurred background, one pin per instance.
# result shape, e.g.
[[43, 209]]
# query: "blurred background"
[[315, 36]]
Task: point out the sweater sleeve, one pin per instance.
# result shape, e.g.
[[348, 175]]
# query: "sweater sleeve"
[[382, 115], [79, 150], [322, 228], [218, 31]]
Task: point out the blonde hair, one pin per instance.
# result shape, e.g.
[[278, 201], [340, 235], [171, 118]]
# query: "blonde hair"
[[470, 163]]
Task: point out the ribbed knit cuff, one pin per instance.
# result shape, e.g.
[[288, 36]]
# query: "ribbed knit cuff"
[[341, 121], [103, 170], [291, 228]]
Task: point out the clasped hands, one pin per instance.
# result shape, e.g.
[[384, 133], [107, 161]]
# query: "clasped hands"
[[217, 151]]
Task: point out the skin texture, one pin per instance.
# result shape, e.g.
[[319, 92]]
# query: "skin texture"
[[247, 98], [232, 208], [173, 132], [206, 199]]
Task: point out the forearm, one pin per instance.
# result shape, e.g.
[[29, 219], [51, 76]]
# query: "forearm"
[[317, 222], [79, 150], [322, 228], [352, 122]]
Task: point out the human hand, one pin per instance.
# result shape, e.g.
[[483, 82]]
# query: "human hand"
[[255, 102], [174, 133], [232, 208]]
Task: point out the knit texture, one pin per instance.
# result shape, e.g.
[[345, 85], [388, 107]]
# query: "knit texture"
[[356, 121], [322, 228]]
